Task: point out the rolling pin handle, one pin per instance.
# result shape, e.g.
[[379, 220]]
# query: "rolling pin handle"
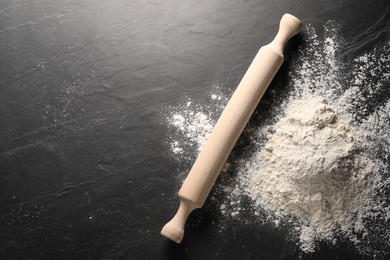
[[288, 27], [174, 229]]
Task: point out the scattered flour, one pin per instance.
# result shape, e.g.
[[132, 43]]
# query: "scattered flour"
[[324, 164], [194, 122], [196, 128]]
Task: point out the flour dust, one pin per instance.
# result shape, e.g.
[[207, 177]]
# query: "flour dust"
[[322, 165]]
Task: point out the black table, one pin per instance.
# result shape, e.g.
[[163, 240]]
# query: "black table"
[[83, 156]]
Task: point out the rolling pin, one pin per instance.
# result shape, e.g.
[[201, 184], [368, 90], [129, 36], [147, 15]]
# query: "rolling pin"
[[229, 126]]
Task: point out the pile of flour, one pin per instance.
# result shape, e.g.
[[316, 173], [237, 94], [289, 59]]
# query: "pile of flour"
[[312, 168], [324, 162]]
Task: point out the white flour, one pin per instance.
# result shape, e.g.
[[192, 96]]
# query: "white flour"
[[312, 168], [194, 123], [324, 164], [196, 128]]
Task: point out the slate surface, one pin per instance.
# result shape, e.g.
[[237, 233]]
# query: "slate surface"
[[83, 166]]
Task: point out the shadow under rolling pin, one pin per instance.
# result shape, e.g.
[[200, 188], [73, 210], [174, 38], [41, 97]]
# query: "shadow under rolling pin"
[[229, 126]]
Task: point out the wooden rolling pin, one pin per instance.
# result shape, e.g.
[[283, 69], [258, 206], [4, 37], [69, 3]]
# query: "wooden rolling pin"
[[229, 126]]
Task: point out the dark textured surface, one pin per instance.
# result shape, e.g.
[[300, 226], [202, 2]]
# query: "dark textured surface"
[[83, 171]]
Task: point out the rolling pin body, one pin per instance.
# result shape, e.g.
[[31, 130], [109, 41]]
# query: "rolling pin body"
[[229, 126]]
